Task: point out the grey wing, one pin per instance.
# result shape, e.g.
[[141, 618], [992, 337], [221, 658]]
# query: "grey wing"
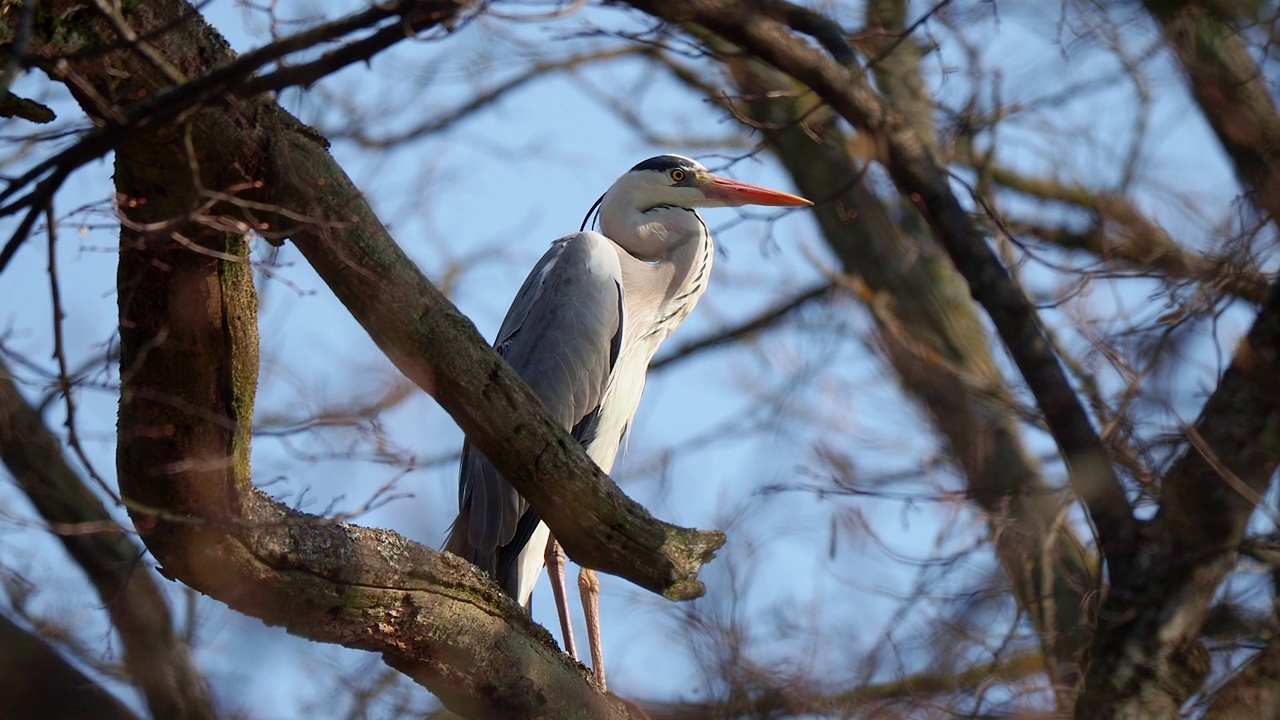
[[562, 335]]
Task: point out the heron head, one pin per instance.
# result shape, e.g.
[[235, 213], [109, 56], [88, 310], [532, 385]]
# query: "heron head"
[[684, 182]]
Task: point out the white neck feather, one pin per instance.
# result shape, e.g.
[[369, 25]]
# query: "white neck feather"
[[642, 225]]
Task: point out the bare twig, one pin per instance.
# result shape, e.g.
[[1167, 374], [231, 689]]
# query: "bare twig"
[[1231, 90], [766, 319], [764, 28], [1146, 658], [59, 352], [230, 80], [156, 659]]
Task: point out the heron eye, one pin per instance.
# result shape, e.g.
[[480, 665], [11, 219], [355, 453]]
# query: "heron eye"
[[677, 175]]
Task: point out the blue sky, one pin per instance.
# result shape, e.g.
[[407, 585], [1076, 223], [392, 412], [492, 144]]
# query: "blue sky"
[[492, 193]]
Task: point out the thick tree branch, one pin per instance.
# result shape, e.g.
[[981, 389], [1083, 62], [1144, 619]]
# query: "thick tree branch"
[[155, 657], [440, 350], [1147, 658], [937, 345], [1254, 692], [189, 366], [764, 29], [36, 682], [1231, 91], [188, 354], [411, 320]]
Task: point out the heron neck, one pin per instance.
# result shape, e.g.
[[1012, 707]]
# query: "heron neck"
[[666, 261], [650, 233]]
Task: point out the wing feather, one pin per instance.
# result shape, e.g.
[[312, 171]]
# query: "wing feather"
[[562, 335]]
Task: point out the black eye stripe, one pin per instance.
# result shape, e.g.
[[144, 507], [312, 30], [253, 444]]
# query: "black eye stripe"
[[664, 163]]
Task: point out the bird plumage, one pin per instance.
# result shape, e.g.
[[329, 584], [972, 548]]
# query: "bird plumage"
[[563, 335], [581, 332]]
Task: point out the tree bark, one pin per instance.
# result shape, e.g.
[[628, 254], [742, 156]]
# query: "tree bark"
[[1253, 693], [189, 371], [297, 188]]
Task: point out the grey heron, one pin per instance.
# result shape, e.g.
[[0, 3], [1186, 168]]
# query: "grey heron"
[[581, 332]]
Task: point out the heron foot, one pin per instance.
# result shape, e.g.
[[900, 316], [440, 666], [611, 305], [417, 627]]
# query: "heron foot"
[[589, 587]]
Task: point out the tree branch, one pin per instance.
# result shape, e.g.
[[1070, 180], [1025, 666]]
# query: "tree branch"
[[156, 658], [893, 698], [420, 329], [233, 78], [188, 356], [1147, 659], [936, 344], [36, 682], [1231, 91], [13, 106], [439, 349], [764, 29], [1253, 693], [354, 127], [735, 333], [1121, 232]]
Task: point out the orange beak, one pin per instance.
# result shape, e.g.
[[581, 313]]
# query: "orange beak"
[[740, 193]]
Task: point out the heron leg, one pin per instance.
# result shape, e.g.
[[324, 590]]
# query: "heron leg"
[[555, 571], [589, 587]]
